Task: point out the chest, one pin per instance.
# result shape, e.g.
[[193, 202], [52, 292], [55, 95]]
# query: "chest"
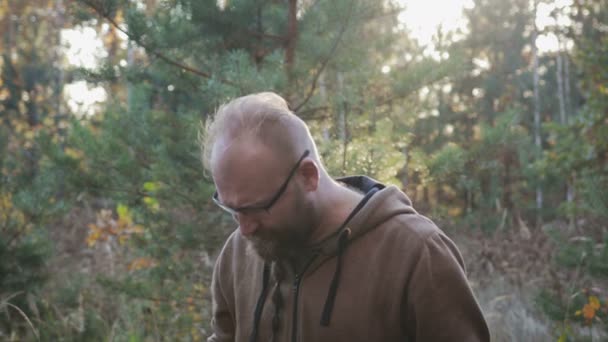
[[366, 306]]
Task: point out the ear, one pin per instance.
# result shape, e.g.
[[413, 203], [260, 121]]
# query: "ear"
[[309, 172]]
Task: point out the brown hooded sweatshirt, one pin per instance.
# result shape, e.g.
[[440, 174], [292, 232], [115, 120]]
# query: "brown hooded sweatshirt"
[[389, 274]]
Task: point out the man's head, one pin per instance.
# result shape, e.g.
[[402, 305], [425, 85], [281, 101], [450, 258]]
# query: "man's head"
[[266, 170]]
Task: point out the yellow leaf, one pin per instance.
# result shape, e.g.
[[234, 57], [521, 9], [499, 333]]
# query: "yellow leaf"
[[73, 153], [124, 215], [91, 240], [151, 186], [594, 302], [93, 236], [123, 211], [151, 203]]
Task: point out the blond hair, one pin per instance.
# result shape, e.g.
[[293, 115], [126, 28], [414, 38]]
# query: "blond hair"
[[263, 116]]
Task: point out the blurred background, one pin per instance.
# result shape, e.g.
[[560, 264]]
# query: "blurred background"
[[492, 115]]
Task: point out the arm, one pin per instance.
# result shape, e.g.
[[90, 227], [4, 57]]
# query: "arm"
[[439, 304]]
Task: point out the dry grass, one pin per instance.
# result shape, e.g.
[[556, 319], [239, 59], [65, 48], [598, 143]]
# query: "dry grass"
[[506, 270], [511, 314]]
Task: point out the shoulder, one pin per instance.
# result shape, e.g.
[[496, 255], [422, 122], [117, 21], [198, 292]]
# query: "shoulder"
[[411, 235], [391, 212], [410, 227]]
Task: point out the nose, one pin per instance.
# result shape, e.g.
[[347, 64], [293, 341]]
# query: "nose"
[[247, 224]]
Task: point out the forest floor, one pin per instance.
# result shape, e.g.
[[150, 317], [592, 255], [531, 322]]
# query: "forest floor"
[[508, 269], [506, 272]]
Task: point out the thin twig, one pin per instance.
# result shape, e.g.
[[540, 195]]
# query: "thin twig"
[[310, 111], [26, 318], [12, 296], [313, 86]]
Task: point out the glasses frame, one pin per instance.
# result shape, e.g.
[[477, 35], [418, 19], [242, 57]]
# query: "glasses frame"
[[266, 207]]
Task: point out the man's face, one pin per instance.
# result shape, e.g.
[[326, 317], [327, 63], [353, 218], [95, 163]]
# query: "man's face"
[[263, 193]]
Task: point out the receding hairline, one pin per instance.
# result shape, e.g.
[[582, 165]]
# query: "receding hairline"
[[264, 117]]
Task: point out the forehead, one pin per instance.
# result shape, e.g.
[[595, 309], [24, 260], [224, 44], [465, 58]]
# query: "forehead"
[[243, 170]]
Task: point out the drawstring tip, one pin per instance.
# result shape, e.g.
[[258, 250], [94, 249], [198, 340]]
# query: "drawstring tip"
[[333, 288], [325, 321]]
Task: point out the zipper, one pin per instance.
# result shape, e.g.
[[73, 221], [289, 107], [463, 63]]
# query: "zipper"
[[296, 292]]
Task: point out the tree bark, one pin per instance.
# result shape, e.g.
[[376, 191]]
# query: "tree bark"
[[560, 87], [343, 124], [537, 133], [570, 190], [567, 84]]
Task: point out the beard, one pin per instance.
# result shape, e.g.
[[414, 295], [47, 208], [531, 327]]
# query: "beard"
[[280, 244], [287, 241]]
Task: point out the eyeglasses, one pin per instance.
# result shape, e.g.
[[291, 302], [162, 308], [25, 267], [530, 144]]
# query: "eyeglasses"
[[266, 207]]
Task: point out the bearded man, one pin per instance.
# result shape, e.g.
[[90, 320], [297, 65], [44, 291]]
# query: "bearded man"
[[322, 259]]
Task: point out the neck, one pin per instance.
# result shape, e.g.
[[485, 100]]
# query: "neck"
[[336, 204]]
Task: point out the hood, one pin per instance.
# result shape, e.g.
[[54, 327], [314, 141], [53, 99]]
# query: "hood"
[[379, 204]]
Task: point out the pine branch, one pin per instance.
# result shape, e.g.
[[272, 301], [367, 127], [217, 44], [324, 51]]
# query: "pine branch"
[[308, 113], [313, 85], [105, 15]]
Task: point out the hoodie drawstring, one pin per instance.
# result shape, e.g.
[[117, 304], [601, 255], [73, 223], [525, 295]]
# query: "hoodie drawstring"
[[342, 242], [333, 288], [260, 305], [277, 299]]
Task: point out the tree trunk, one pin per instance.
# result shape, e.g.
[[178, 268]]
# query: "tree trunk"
[[59, 114], [343, 124], [537, 136], [567, 85], [130, 63], [292, 35], [570, 191], [563, 89], [560, 87], [507, 196]]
